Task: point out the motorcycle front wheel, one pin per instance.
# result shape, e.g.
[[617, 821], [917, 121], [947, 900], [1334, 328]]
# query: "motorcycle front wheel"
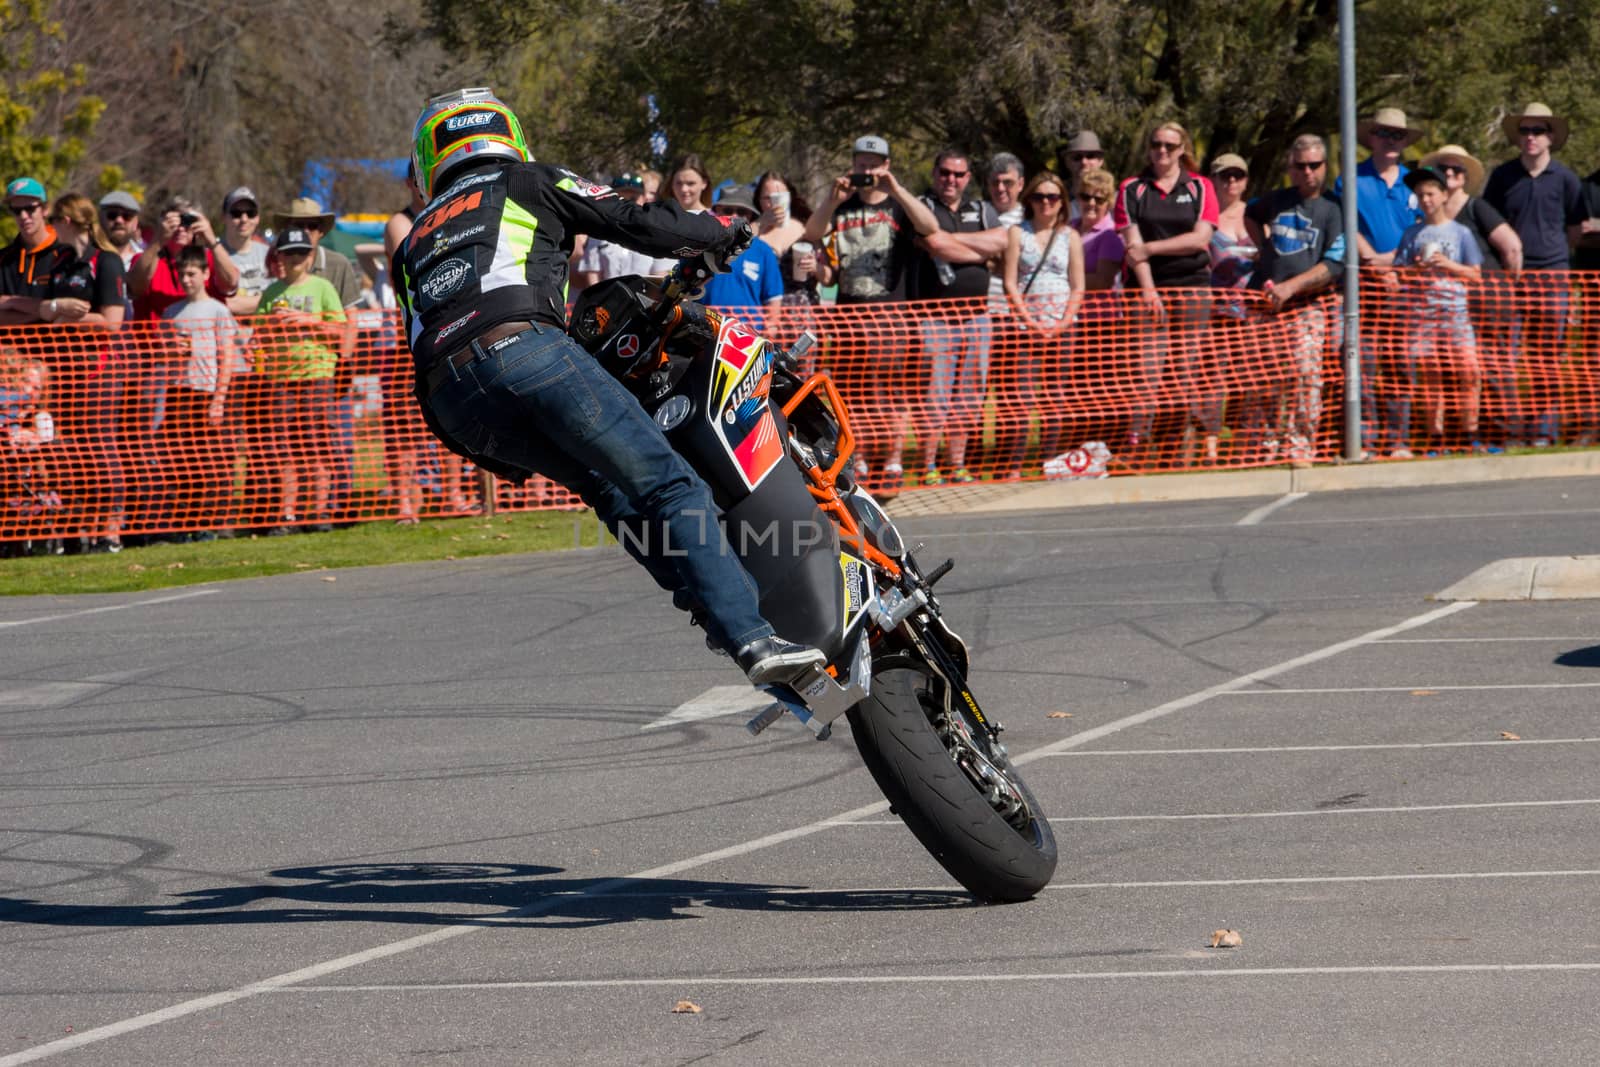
[[940, 803]]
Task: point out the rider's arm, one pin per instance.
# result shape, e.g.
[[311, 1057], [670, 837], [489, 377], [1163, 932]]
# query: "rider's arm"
[[661, 228]]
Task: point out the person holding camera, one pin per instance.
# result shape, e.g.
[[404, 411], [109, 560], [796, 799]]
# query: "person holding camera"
[[155, 280], [874, 221]]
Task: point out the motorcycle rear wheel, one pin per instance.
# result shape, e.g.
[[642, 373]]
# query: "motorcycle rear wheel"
[[939, 803]]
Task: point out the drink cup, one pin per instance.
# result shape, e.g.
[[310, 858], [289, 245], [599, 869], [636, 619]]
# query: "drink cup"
[[799, 250]]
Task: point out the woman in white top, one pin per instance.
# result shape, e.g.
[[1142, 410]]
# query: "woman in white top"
[[1043, 273]]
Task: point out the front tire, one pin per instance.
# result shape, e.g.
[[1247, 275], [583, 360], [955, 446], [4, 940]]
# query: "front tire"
[[939, 803]]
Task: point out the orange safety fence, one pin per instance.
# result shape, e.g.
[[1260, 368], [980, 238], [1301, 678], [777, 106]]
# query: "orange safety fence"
[[111, 432]]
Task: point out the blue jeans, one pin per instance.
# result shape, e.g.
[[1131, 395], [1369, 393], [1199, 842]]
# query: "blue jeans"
[[540, 403]]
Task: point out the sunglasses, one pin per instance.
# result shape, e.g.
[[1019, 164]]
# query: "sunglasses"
[[1309, 165], [294, 253], [20, 210], [56, 220], [1044, 198], [117, 214], [1166, 146], [1452, 168], [1087, 155], [244, 213], [1093, 198], [1389, 133], [1232, 175], [945, 172], [1533, 131]]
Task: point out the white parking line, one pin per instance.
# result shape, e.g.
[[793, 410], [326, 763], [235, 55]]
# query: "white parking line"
[[1242, 750], [714, 703], [1255, 517], [304, 975], [1428, 686], [687, 981], [108, 607], [1473, 640], [1295, 814]]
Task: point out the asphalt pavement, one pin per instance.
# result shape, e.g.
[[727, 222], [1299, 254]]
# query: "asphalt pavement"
[[414, 814]]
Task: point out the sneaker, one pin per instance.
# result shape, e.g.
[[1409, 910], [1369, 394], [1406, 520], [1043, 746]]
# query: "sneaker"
[[279, 531], [933, 477], [1402, 452], [861, 470], [1541, 442], [772, 659], [894, 472], [962, 476]]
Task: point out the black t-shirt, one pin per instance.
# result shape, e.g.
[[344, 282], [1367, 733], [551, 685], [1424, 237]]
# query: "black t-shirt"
[[28, 272], [872, 243], [965, 279], [1159, 215], [99, 279], [1589, 258], [1299, 234], [1481, 219]]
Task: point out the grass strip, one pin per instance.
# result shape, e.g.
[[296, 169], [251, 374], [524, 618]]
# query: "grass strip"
[[163, 566]]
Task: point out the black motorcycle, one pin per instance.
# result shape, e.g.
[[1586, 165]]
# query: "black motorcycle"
[[832, 570]]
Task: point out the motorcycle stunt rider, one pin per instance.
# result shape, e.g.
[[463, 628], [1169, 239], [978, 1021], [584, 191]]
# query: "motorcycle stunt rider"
[[482, 280]]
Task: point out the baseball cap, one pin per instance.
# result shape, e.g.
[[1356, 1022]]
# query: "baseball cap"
[[1229, 161], [120, 199], [872, 143], [293, 239], [240, 195], [25, 187], [628, 180], [1417, 175]]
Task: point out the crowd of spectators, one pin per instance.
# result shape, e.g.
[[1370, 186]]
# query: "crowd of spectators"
[[239, 393]]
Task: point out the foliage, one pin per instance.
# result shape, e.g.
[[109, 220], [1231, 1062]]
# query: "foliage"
[[750, 83], [44, 117]]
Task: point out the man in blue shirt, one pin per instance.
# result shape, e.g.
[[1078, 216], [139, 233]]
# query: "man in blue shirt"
[[755, 279], [1543, 202], [1386, 208]]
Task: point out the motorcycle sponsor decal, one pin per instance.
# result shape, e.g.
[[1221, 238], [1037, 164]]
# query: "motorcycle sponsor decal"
[[451, 327], [445, 212], [628, 345], [740, 381], [670, 416], [446, 278], [857, 588]]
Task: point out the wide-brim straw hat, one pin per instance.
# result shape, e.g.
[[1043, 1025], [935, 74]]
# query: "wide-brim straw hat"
[[306, 211], [1542, 112], [1454, 153], [1388, 116]]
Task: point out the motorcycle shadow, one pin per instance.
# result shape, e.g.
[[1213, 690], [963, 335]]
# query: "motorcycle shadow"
[[466, 894]]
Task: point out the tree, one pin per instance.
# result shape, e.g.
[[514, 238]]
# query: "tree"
[[44, 115]]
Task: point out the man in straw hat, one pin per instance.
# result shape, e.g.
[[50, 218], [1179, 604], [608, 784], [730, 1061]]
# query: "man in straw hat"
[[1543, 201], [306, 214], [1386, 206]]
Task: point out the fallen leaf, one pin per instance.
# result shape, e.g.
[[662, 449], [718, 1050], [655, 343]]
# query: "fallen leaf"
[[502, 537], [1424, 692], [1507, 735], [455, 537], [449, 557], [1059, 715], [1226, 939], [686, 1007], [329, 578], [178, 566], [303, 566], [136, 567]]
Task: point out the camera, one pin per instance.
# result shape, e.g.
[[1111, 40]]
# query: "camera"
[[187, 219], [862, 181]]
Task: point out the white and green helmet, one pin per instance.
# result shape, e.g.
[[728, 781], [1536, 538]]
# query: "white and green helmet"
[[460, 128]]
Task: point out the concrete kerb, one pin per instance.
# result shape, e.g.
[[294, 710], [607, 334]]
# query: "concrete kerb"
[[1277, 481]]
